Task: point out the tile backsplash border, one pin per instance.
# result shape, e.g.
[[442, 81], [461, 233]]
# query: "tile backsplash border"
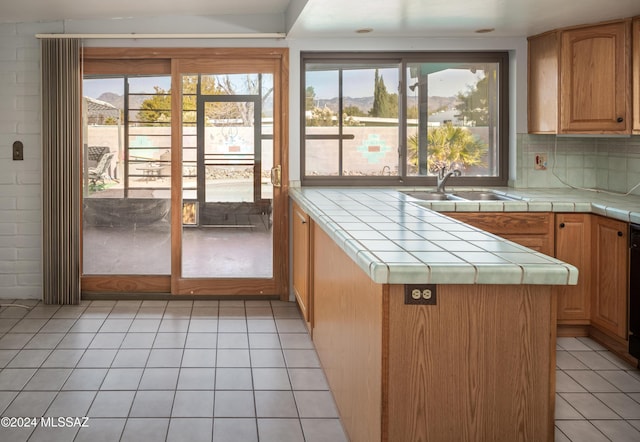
[[605, 163]]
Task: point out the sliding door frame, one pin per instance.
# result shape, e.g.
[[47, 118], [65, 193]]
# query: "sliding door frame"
[[177, 61]]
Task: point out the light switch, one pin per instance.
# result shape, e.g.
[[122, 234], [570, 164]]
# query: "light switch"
[[18, 150]]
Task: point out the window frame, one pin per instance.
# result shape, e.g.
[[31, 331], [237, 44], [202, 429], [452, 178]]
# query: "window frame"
[[403, 59]]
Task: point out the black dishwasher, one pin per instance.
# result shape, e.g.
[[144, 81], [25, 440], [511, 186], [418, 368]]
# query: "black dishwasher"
[[634, 291]]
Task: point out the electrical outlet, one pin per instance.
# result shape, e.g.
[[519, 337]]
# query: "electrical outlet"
[[540, 161], [420, 294]]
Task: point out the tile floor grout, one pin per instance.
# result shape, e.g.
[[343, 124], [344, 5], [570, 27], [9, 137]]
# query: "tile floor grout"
[[250, 366], [264, 334], [591, 405]]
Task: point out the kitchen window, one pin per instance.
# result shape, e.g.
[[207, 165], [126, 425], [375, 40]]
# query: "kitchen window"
[[399, 118]]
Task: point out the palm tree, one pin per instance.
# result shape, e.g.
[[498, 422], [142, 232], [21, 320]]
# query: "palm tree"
[[449, 146]]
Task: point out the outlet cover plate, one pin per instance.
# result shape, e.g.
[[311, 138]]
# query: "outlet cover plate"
[[420, 294]]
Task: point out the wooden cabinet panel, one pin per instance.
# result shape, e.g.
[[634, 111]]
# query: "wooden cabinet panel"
[[594, 81], [573, 246], [530, 229], [635, 63], [348, 324], [403, 372], [301, 261], [610, 270], [543, 83], [478, 366], [579, 80]]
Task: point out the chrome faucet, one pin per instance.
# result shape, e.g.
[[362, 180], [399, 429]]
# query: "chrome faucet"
[[442, 177]]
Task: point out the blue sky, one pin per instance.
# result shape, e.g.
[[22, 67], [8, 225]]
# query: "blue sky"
[[95, 87], [359, 83]]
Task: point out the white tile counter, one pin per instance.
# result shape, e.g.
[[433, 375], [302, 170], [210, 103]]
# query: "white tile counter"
[[395, 240], [623, 208]]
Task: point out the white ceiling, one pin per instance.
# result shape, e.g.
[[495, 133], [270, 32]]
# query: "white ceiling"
[[341, 18]]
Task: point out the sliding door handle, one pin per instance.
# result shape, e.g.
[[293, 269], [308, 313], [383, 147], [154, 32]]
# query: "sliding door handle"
[[276, 176]]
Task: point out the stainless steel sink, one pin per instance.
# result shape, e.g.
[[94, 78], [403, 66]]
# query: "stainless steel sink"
[[479, 195], [433, 196], [463, 195]]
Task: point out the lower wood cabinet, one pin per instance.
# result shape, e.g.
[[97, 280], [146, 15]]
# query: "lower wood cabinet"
[[301, 265], [573, 246], [610, 276], [530, 229], [597, 246], [478, 365]]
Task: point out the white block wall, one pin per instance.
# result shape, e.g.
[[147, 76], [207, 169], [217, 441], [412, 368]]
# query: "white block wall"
[[20, 181]]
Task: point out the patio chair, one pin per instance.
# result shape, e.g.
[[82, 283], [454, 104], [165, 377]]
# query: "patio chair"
[[102, 169]]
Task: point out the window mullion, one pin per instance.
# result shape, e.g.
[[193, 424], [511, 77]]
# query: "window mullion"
[[340, 128]]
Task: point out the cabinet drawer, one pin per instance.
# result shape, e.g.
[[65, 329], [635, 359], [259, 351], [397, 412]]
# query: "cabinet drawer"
[[530, 229], [501, 223]]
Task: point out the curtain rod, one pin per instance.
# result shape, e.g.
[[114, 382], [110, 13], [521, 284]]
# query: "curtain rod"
[[276, 35]]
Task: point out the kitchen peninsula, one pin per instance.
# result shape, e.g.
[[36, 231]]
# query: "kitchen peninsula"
[[427, 328]]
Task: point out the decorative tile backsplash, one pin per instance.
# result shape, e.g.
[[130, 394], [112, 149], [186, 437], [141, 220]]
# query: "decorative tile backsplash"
[[611, 164]]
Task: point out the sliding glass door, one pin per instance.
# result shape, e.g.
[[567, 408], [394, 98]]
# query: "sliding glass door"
[[227, 197], [181, 185]]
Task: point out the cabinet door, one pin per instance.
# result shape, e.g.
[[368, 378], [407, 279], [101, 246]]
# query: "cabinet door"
[[635, 63], [573, 246], [542, 91], [610, 267], [300, 261], [594, 79]]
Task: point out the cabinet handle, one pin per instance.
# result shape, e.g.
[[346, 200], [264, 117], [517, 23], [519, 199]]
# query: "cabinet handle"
[[302, 218], [619, 119], [620, 233], [562, 225]]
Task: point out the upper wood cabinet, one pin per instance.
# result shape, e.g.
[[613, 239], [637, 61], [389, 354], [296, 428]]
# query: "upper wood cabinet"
[[579, 80], [543, 59], [635, 47]]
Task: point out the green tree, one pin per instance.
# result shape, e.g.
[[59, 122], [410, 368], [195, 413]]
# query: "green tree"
[[412, 112], [379, 108], [157, 108], [321, 117], [309, 97], [449, 145], [353, 111], [473, 105], [385, 105]]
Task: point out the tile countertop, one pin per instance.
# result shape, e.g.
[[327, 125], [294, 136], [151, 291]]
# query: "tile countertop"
[[395, 239], [623, 208]]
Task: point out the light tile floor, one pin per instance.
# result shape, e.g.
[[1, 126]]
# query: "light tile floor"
[[597, 394], [229, 371], [221, 371]]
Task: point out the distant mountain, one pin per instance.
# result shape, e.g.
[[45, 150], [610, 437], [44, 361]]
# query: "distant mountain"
[[363, 103], [135, 101], [366, 103]]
